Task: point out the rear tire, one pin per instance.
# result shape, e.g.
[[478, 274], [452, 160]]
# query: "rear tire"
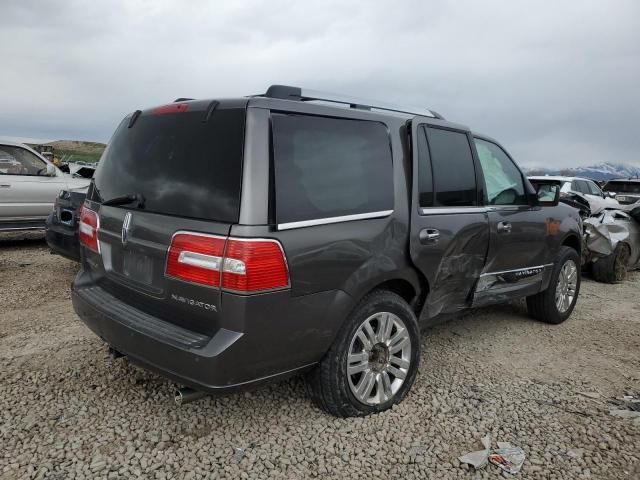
[[373, 361], [612, 268], [550, 305]]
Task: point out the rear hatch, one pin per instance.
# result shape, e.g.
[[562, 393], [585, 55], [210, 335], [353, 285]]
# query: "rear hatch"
[[173, 168]]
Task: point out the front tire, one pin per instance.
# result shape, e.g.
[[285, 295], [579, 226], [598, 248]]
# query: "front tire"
[[373, 361], [555, 304], [612, 268]]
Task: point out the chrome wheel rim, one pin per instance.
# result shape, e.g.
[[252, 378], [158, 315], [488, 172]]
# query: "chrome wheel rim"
[[566, 286], [379, 358]]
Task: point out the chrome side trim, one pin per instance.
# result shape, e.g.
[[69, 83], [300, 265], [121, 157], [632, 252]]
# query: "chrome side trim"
[[452, 210], [518, 270], [329, 220], [518, 277]]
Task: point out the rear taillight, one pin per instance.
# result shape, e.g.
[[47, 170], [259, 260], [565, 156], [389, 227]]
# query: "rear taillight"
[[247, 265], [88, 229], [254, 266], [196, 258]]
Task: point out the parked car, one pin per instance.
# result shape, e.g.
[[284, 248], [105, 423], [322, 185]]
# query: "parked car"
[[598, 200], [626, 190], [29, 185], [231, 242], [62, 223]]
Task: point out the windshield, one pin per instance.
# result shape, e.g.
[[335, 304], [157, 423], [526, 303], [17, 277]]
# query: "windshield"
[[180, 164], [623, 187]]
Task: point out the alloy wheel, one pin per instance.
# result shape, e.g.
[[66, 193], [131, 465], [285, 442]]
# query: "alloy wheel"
[[379, 358], [566, 286]]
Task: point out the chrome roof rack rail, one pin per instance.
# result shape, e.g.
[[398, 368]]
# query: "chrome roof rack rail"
[[302, 94]]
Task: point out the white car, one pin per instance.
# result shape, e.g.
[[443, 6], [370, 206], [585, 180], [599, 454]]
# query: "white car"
[[598, 200], [29, 185]]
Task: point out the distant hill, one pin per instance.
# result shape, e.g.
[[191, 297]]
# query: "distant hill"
[[603, 171], [75, 151]]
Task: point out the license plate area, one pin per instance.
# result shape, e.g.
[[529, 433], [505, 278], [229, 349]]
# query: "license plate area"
[[137, 267]]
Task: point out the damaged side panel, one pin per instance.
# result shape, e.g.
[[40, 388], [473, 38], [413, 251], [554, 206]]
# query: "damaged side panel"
[[453, 262]]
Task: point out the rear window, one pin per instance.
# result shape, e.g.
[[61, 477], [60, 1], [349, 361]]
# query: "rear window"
[[181, 164], [327, 167], [454, 176], [623, 187]]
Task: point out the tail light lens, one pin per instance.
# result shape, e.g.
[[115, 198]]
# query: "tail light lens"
[[236, 265], [252, 266], [88, 229], [196, 258]]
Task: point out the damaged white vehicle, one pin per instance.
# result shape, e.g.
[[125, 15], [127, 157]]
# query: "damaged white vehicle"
[[611, 238], [29, 185]]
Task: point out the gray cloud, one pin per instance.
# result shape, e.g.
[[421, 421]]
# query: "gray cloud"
[[556, 84]]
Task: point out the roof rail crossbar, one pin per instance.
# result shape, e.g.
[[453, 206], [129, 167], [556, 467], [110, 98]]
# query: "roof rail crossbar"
[[296, 93]]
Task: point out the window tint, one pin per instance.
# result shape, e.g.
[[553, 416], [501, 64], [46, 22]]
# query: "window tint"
[[425, 176], [328, 167], [18, 161], [181, 165], [503, 180], [453, 171]]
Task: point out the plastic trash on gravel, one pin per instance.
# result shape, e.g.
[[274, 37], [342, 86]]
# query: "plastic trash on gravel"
[[506, 457], [479, 458]]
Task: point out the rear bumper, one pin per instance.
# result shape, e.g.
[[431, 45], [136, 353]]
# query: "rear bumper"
[[62, 239], [226, 361]]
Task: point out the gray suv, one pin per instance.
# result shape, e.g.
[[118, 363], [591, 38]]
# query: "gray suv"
[[232, 242]]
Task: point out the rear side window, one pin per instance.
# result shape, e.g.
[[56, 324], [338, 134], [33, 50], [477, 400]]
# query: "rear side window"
[[179, 163], [326, 167], [454, 177], [593, 189], [580, 186]]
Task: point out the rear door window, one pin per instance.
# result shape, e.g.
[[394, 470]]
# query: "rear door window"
[[593, 189], [181, 164], [452, 167], [328, 167]]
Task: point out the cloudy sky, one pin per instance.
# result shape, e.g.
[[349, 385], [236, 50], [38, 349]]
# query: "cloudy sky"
[[558, 83]]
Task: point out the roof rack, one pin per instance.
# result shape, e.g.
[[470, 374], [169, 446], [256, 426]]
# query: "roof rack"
[[286, 92]]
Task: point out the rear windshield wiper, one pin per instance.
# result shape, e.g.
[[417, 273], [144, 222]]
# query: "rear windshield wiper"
[[125, 199]]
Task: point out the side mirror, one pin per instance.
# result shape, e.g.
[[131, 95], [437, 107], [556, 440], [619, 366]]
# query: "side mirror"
[[50, 171], [610, 194], [548, 194]]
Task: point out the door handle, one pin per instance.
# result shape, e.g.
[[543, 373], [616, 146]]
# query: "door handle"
[[504, 227], [429, 235]]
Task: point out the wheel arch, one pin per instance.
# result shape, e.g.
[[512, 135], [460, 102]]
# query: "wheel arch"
[[573, 241], [411, 286]]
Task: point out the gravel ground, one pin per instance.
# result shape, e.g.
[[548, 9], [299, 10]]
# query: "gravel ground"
[[69, 411]]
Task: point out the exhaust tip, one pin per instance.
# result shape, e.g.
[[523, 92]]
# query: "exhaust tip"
[[187, 395]]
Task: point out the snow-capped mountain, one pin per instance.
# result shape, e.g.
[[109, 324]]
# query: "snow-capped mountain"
[[603, 171]]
